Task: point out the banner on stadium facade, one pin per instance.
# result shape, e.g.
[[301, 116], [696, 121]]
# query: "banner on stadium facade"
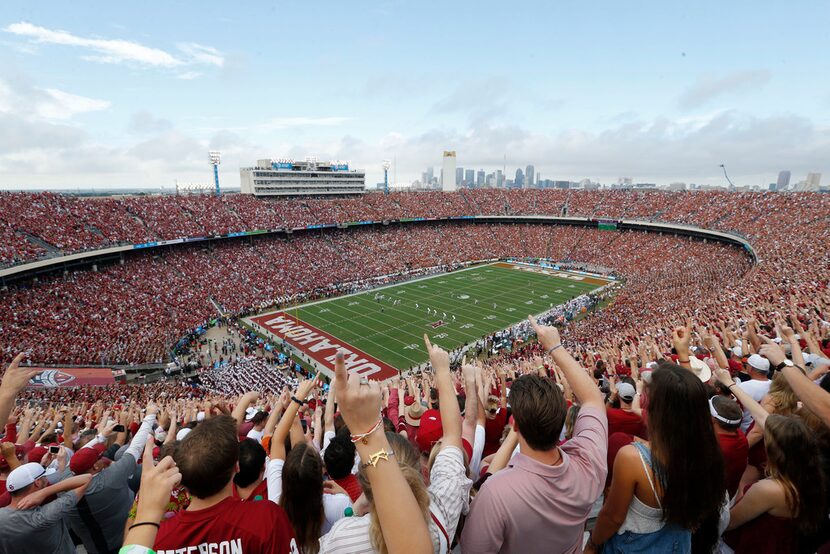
[[322, 347], [72, 377]]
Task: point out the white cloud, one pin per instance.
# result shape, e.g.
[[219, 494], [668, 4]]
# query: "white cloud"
[[708, 87], [105, 50], [45, 104], [202, 54], [117, 51], [189, 75], [284, 122], [65, 105]]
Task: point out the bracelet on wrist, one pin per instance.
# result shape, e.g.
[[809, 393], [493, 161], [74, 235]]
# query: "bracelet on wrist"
[[362, 437], [552, 348], [136, 549], [139, 524], [375, 458], [297, 400]]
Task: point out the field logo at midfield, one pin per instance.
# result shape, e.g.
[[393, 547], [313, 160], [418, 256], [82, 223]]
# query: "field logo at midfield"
[[322, 347]]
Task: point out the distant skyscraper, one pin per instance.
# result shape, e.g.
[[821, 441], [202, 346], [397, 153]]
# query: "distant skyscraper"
[[459, 176], [469, 177], [448, 171], [813, 181], [499, 178], [529, 177], [480, 178], [520, 178], [783, 180]]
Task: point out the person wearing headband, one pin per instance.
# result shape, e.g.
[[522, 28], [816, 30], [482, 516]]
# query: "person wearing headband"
[[726, 420]]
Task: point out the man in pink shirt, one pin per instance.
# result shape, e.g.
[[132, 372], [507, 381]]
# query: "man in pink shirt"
[[541, 501]]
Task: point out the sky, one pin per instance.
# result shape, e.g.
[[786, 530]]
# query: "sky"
[[109, 95]]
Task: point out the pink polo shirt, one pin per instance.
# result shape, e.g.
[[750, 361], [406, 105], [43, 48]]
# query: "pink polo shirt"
[[531, 507]]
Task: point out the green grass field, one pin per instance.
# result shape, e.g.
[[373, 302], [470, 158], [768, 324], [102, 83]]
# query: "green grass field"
[[477, 301]]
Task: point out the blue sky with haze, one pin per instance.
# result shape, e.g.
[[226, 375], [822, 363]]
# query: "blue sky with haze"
[[109, 94]]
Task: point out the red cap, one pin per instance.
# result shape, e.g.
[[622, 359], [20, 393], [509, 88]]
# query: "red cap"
[[408, 400], [83, 460], [430, 430], [37, 453]]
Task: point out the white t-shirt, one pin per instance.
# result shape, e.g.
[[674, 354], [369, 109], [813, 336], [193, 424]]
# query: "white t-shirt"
[[256, 435], [757, 390]]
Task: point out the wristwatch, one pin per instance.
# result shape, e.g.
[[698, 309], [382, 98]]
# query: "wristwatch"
[[782, 365]]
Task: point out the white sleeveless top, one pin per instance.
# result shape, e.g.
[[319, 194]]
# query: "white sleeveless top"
[[642, 518]]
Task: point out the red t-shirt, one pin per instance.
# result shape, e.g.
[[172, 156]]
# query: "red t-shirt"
[[351, 485], [621, 421], [259, 527], [260, 491], [735, 451], [493, 429]]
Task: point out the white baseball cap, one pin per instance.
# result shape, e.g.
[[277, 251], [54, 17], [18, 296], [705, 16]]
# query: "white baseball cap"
[[25, 475], [626, 392], [183, 433], [759, 362]]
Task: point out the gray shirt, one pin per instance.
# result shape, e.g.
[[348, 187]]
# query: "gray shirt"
[[100, 515], [98, 518], [41, 529]]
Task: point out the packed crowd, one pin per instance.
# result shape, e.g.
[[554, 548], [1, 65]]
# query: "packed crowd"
[[41, 224], [689, 415], [713, 436], [136, 312]]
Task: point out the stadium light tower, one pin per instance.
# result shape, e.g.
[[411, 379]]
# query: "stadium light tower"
[[386, 166], [728, 180], [213, 155]]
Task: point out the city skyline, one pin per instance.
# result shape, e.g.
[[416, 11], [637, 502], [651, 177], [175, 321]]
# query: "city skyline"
[[103, 96]]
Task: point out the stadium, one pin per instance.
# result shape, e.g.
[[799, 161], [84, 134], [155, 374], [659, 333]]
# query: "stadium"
[[214, 298], [463, 278]]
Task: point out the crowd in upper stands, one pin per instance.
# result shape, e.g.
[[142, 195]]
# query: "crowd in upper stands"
[[48, 224]]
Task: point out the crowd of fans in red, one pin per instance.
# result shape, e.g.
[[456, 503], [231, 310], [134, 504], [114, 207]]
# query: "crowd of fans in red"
[[36, 225], [135, 313], [694, 409]]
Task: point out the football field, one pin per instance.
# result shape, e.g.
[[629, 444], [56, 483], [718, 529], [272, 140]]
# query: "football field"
[[387, 324]]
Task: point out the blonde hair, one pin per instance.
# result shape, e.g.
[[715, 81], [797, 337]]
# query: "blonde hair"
[[409, 461], [782, 396]]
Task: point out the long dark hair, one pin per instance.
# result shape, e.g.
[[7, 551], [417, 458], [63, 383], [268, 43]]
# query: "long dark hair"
[[688, 461], [794, 460], [302, 495]]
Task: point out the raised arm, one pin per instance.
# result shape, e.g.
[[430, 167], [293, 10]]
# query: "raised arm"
[[447, 403], [241, 406], [813, 396], [468, 427], [758, 413], [681, 336], [505, 452], [582, 385], [287, 420], [401, 520], [14, 380]]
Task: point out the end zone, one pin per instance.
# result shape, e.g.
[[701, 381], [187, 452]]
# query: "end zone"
[[322, 347]]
